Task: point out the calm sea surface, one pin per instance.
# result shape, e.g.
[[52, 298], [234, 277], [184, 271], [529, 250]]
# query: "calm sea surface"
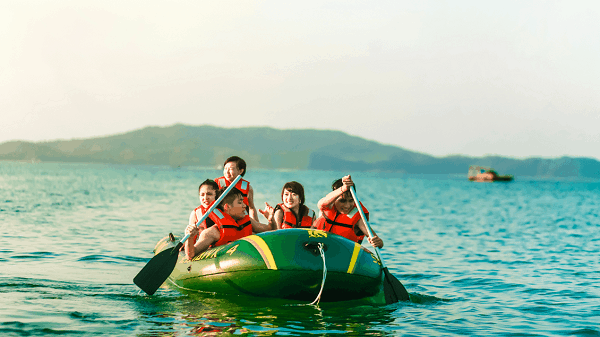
[[512, 259]]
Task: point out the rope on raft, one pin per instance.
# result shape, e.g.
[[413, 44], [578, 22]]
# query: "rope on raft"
[[316, 301]]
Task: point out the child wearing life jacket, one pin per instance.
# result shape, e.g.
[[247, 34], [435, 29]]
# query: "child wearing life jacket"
[[340, 215], [292, 213], [207, 194], [233, 167], [227, 223]]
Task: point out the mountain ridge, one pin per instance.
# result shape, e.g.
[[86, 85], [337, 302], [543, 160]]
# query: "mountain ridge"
[[267, 147]]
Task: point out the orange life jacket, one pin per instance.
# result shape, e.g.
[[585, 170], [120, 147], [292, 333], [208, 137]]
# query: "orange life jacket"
[[342, 224], [242, 185], [289, 218], [229, 228]]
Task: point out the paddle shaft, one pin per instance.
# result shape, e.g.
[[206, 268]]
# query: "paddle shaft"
[[393, 289], [364, 218]]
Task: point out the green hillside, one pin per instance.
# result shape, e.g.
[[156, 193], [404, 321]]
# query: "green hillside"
[[263, 147]]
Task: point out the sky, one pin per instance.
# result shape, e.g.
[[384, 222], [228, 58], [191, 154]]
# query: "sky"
[[518, 79]]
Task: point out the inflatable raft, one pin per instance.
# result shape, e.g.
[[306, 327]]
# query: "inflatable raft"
[[295, 264]]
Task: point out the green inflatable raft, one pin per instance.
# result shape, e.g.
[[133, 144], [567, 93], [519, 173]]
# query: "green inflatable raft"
[[295, 264]]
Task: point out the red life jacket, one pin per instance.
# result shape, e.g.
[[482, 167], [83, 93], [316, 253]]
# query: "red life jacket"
[[229, 228], [242, 185], [342, 224], [290, 221]]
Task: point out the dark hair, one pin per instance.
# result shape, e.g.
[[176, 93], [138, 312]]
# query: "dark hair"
[[229, 198], [209, 183], [239, 162], [337, 184], [294, 187]]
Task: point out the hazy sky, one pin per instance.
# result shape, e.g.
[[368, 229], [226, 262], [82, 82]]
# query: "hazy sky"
[[513, 78]]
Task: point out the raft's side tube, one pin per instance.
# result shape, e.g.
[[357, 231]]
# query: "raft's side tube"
[[283, 264]]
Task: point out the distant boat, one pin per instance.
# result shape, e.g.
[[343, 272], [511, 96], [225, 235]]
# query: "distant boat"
[[486, 174]]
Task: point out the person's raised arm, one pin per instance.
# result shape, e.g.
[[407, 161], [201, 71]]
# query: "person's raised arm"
[[258, 227], [327, 200], [251, 208], [268, 214]]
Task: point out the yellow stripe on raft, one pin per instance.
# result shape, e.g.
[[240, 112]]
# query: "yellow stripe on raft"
[[354, 258], [264, 250]]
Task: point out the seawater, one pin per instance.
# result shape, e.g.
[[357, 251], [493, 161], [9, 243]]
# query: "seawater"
[[485, 259]]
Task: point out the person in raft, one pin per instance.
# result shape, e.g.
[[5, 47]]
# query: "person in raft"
[[233, 167], [340, 215], [207, 193], [227, 223], [292, 213]]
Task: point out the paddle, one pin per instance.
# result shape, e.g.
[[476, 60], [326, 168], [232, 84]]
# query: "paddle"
[[393, 290], [156, 271]]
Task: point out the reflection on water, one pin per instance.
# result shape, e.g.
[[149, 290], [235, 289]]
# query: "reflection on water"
[[200, 314]]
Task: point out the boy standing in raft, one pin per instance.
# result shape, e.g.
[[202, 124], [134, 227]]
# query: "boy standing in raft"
[[207, 193], [233, 167], [227, 223], [292, 213], [340, 215]]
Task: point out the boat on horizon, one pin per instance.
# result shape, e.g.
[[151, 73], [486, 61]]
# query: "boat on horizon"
[[486, 174]]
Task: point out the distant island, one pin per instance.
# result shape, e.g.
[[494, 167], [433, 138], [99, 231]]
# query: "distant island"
[[264, 147]]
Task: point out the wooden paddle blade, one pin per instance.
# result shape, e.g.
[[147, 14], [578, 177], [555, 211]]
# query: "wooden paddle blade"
[[156, 271], [393, 290]]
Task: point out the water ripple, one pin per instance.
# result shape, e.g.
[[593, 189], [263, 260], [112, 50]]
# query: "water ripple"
[[111, 259], [35, 255], [477, 259]]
